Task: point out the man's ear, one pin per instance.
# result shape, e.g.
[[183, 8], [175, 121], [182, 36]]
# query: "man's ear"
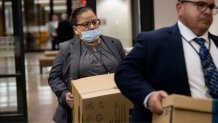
[[179, 8]]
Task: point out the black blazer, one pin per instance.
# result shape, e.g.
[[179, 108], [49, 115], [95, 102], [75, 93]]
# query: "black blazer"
[[156, 63]]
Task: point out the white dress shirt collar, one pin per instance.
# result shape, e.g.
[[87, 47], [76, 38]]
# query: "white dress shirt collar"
[[188, 34]]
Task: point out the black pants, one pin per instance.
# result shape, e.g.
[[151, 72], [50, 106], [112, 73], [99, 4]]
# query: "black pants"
[[69, 115], [55, 45]]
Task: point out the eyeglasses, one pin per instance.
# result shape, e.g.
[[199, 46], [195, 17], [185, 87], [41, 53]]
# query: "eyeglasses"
[[95, 22], [203, 6]]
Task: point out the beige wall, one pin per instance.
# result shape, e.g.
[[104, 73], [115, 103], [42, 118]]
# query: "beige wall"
[[1, 26], [116, 17], [214, 26], [165, 15]]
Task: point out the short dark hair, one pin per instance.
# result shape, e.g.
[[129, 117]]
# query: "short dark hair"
[[180, 0], [77, 12]]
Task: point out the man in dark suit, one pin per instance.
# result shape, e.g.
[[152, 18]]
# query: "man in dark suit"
[[167, 61], [64, 30]]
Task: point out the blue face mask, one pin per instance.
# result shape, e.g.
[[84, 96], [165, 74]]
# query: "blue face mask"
[[90, 35]]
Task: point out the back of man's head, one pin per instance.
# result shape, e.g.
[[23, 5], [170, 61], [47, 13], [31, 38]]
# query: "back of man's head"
[[64, 16]]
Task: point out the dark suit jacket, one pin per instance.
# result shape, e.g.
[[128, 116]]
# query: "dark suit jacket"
[[64, 31], [65, 68], [156, 63]]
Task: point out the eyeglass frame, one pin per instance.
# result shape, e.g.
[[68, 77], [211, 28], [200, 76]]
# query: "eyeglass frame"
[[89, 23], [212, 7]]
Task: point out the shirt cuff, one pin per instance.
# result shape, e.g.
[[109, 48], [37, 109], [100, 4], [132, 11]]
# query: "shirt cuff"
[[146, 99]]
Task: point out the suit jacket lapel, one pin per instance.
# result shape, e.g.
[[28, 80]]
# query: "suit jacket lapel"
[[75, 58], [214, 38], [216, 43], [112, 46], [176, 46]]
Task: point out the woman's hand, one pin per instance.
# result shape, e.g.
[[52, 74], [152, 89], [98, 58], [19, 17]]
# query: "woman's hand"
[[69, 99]]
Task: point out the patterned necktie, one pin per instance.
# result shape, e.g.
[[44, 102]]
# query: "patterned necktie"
[[209, 69]]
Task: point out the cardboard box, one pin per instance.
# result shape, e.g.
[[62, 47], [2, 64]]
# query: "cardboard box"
[[98, 100], [184, 109]]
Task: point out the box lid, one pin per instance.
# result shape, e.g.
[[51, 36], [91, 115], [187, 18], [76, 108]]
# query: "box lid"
[[188, 103], [100, 93], [94, 83]]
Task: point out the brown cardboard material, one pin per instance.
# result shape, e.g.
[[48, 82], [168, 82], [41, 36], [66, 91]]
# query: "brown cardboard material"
[[97, 100], [184, 109]]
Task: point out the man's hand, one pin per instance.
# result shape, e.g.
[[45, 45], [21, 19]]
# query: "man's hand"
[[155, 102], [69, 99]]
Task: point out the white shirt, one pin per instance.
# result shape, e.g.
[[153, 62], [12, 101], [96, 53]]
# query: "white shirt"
[[55, 24], [193, 63]]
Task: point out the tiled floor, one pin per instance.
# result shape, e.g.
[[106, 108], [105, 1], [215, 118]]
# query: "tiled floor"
[[41, 100]]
